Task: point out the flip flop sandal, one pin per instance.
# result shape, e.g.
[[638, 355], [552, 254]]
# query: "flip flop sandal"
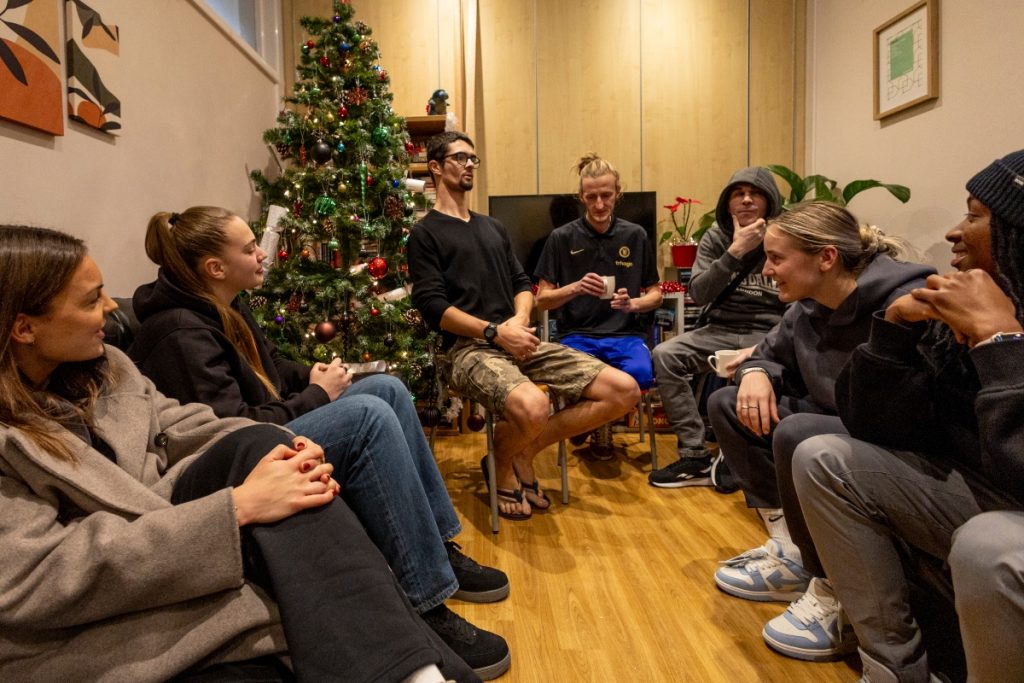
[[506, 496], [534, 488]]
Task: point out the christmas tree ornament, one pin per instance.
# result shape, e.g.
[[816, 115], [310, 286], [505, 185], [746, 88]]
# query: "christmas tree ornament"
[[310, 44], [333, 244], [336, 19], [325, 331], [367, 356], [345, 46], [377, 267], [329, 117], [383, 75], [370, 180], [396, 183], [340, 147], [282, 255], [393, 207], [305, 253], [302, 155], [380, 136], [430, 416], [325, 62], [374, 311], [411, 148], [366, 46], [361, 27], [257, 302], [356, 96], [389, 340], [293, 303], [343, 111], [342, 187], [328, 226], [475, 422], [303, 305], [410, 209], [279, 319], [314, 91], [324, 205]]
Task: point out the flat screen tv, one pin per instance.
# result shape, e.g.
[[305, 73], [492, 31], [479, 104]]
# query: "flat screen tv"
[[530, 218]]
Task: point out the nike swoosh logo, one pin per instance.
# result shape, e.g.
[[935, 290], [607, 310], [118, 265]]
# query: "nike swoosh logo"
[[577, 251]]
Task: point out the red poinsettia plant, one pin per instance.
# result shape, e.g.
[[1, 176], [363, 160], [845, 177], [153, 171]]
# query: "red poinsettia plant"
[[683, 231]]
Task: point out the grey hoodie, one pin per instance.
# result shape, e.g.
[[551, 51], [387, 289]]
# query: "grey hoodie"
[[754, 305]]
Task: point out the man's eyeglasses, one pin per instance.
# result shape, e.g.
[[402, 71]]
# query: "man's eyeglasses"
[[461, 158]]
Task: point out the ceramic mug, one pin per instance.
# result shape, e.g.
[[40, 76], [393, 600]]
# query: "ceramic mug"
[[609, 286], [721, 359]]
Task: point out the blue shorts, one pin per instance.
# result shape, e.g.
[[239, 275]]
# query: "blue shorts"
[[629, 354]]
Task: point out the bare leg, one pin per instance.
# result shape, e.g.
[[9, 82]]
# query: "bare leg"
[[610, 395], [525, 416]]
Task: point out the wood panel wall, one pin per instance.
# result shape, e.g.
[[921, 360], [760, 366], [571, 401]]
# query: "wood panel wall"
[[677, 94]]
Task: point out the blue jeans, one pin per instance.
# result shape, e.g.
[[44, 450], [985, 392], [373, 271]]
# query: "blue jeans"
[[629, 354], [389, 478]]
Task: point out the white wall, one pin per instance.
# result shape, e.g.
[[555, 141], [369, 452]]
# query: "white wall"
[[195, 106], [933, 149]]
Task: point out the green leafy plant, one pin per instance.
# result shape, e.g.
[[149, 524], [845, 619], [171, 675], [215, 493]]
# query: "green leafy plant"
[[818, 187], [682, 231]]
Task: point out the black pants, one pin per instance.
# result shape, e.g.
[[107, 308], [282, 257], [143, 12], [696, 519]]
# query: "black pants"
[[344, 615]]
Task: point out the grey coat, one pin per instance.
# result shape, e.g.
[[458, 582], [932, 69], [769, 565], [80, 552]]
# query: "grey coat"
[[101, 578]]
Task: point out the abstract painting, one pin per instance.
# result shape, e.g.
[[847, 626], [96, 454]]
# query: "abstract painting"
[[29, 65], [93, 48]]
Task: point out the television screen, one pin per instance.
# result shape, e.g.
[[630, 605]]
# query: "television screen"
[[530, 218]]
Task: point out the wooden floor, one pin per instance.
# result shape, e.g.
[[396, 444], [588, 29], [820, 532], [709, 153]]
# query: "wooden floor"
[[617, 586]]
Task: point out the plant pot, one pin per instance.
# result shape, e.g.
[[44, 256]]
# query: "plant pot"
[[684, 255]]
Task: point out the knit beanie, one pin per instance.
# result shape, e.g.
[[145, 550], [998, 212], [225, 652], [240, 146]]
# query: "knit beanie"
[[1000, 187]]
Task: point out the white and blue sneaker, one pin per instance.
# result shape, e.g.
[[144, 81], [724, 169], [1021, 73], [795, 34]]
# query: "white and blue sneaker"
[[767, 574], [812, 628]]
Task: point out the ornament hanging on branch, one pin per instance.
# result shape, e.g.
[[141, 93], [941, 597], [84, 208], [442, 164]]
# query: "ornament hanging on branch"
[[325, 331], [380, 136], [377, 267], [356, 96], [324, 205], [321, 152]]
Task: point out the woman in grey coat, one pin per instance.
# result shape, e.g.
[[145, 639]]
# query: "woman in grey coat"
[[143, 539]]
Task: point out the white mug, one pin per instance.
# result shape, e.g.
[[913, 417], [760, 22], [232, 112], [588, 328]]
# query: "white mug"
[[609, 286], [721, 359]]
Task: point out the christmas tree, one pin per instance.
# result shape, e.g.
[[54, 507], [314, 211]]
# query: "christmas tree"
[[338, 215]]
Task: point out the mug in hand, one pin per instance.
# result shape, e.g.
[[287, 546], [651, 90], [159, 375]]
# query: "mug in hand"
[[721, 359], [609, 286]]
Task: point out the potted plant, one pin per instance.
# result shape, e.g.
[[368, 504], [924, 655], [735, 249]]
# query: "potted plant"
[[683, 236], [819, 188]]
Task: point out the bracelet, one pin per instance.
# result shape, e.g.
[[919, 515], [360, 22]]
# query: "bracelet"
[[746, 371], [1001, 337]]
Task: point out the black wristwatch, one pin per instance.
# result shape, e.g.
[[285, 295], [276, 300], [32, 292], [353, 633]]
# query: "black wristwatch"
[[491, 333]]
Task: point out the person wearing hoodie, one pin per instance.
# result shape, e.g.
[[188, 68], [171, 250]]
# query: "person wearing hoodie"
[[836, 273], [741, 305], [199, 343], [932, 402]]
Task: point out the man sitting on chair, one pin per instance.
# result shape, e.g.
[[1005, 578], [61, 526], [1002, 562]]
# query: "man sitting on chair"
[[468, 284], [577, 260]]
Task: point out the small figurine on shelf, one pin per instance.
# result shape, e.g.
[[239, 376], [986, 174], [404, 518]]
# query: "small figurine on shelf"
[[438, 103]]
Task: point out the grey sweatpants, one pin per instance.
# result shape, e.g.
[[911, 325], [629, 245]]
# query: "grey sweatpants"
[[862, 503], [684, 355], [987, 563]]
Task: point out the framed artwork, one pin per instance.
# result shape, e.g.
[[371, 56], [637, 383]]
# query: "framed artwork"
[[30, 82], [906, 59], [93, 51]]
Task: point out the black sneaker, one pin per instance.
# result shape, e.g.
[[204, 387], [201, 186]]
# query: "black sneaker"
[[476, 582], [485, 652], [721, 477], [683, 472]]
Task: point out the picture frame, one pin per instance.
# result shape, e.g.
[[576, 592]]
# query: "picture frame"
[[906, 59]]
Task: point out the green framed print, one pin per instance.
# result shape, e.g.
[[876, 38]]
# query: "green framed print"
[[906, 59]]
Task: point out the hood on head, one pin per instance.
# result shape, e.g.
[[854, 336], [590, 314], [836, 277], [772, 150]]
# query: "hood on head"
[[761, 178]]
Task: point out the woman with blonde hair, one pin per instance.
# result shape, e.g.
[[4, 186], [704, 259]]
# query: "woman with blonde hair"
[[834, 273], [198, 342], [144, 539]]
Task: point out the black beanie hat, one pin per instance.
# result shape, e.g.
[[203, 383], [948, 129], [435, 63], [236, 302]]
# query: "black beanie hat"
[[1000, 187]]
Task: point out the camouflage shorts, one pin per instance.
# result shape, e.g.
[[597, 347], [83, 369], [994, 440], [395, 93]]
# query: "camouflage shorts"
[[487, 374]]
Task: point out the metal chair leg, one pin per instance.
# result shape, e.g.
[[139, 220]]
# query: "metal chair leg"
[[649, 408], [492, 477]]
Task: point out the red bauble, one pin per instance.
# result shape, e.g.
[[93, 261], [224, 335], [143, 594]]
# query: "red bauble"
[[282, 255], [310, 44], [374, 312], [475, 421], [325, 331], [342, 111], [378, 267], [367, 357], [369, 180], [325, 61]]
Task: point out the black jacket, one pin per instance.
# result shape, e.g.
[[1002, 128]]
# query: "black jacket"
[[183, 349]]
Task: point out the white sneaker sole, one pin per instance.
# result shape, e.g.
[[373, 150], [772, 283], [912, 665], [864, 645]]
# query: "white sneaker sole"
[[757, 596]]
